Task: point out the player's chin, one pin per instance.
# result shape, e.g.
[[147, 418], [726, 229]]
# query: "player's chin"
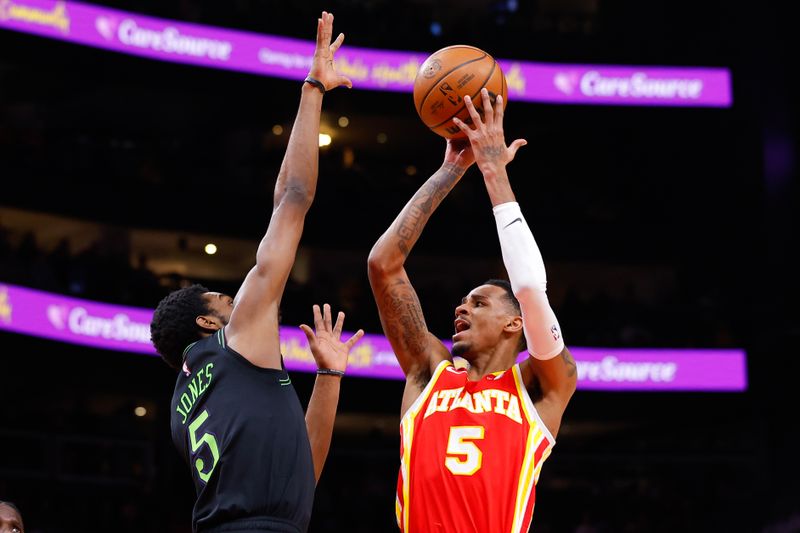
[[460, 348]]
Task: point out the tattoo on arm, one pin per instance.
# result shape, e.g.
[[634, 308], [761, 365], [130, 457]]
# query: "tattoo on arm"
[[402, 316], [572, 368], [411, 222]]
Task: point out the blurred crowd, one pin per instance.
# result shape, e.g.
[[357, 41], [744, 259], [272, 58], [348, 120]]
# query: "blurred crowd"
[[644, 306]]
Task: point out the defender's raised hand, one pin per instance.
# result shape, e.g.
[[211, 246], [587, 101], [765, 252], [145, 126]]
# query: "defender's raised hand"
[[487, 138], [323, 68], [326, 346]]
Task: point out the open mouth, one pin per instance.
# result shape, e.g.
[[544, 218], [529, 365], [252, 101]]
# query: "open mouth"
[[461, 325]]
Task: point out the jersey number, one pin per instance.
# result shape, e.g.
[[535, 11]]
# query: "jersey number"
[[207, 439], [468, 457]]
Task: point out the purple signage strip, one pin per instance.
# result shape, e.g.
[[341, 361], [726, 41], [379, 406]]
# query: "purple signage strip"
[[122, 328], [660, 369], [282, 57]]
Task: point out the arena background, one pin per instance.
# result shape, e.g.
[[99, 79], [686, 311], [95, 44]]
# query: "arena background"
[[660, 227]]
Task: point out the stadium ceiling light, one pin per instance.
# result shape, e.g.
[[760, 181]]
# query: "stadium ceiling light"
[[211, 248]]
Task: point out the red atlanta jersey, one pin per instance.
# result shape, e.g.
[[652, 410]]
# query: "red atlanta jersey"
[[470, 455]]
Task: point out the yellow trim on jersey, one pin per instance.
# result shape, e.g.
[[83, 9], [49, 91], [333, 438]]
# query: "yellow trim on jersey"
[[538, 470], [398, 511], [407, 432], [527, 475], [519, 505]]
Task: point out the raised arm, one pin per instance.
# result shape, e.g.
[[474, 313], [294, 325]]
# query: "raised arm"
[[330, 354], [253, 328], [550, 373], [418, 350]]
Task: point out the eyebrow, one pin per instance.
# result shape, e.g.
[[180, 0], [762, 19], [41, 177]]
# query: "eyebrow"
[[475, 297]]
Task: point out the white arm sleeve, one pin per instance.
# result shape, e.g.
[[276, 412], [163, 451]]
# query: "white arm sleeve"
[[526, 272]]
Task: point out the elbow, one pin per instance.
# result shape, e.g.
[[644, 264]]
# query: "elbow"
[[528, 290], [378, 262], [295, 195], [570, 385]]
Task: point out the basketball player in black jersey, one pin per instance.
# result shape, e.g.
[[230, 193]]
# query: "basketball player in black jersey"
[[236, 418]]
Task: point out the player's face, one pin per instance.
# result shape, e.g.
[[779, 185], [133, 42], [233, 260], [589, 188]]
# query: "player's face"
[[221, 306], [10, 520], [480, 321]]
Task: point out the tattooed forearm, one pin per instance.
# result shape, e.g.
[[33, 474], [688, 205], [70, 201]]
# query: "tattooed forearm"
[[401, 314], [408, 226], [572, 368]]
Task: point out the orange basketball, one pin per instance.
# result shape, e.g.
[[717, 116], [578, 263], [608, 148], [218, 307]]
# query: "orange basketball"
[[446, 77]]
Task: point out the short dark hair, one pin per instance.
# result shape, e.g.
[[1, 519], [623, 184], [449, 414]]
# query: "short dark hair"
[[506, 286], [173, 327], [9, 504], [16, 509]]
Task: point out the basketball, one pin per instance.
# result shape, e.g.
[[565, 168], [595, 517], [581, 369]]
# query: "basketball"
[[446, 77]]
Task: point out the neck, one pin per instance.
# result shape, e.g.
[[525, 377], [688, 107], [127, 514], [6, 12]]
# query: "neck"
[[496, 360]]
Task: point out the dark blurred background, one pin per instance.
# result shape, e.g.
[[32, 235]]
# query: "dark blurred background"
[[660, 227]]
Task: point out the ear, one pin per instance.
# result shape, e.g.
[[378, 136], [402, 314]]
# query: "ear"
[[208, 322], [514, 324]]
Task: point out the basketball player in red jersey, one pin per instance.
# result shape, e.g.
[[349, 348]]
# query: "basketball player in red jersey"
[[473, 440]]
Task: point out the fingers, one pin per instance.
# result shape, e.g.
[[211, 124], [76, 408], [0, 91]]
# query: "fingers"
[[516, 145], [354, 339], [337, 328], [337, 43], [326, 316], [488, 113], [317, 318], [463, 127], [476, 118], [324, 31], [498, 110], [309, 334], [320, 45]]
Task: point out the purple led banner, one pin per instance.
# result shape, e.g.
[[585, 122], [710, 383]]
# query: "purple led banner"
[[282, 57], [660, 369], [121, 328], [61, 318]]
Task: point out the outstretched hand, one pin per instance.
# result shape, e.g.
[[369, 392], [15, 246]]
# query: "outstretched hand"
[[323, 67], [326, 346], [487, 138]]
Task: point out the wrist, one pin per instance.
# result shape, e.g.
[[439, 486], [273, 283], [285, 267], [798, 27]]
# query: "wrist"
[[454, 167], [330, 372], [312, 88], [493, 172]]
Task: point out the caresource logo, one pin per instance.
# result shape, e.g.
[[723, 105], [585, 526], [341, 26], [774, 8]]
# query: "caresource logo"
[[611, 369], [169, 40], [78, 321], [566, 82], [637, 85], [106, 26], [57, 315]]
